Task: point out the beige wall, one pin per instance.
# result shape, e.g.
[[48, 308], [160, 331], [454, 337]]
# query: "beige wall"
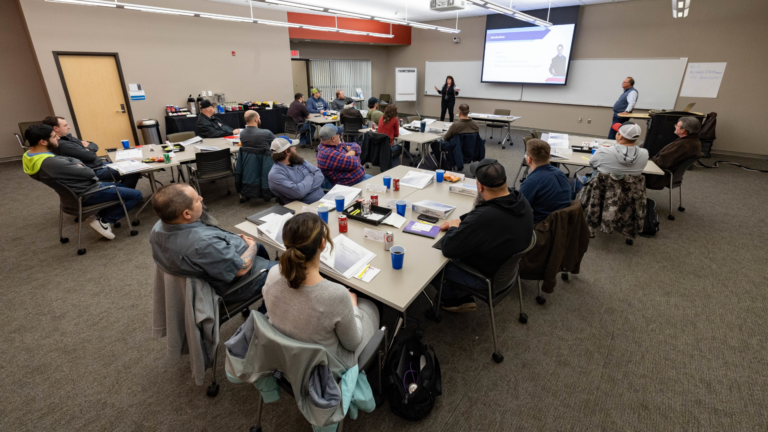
[[380, 69], [23, 92], [715, 31], [170, 56]]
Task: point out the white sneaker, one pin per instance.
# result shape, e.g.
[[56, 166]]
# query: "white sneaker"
[[100, 227]]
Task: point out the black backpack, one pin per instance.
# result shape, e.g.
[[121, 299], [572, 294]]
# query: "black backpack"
[[413, 365], [651, 225]]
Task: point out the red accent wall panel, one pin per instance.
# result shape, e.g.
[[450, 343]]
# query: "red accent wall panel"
[[402, 33]]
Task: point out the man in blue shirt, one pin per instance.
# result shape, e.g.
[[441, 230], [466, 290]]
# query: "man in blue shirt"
[[547, 188], [316, 103], [291, 177]]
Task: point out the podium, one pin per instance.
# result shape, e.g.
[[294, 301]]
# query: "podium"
[[661, 128]]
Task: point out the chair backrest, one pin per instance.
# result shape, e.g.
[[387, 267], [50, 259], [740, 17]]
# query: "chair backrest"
[[352, 124], [180, 136], [679, 172], [214, 163], [411, 119], [69, 199], [21, 141], [385, 97], [535, 135], [504, 112], [507, 274], [290, 125], [23, 126], [527, 138]]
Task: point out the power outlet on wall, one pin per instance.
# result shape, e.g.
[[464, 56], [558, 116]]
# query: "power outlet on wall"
[[589, 121], [579, 119]]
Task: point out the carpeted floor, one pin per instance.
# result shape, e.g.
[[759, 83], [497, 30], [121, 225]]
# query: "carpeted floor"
[[668, 334]]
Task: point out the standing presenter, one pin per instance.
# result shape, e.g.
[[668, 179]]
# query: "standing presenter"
[[448, 100], [624, 105]]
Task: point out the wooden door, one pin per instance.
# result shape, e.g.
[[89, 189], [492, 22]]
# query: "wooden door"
[[300, 80], [97, 99]]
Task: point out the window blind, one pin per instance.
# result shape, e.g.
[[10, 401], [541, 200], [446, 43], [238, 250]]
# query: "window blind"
[[345, 75]]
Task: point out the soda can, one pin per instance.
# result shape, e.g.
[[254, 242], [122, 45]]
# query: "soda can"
[[343, 224], [395, 184], [366, 207], [389, 240], [374, 199], [167, 157]]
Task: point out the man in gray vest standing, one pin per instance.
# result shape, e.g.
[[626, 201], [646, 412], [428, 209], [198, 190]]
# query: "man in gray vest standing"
[[624, 105]]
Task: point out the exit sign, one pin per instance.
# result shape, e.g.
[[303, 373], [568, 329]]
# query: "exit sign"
[[295, 54]]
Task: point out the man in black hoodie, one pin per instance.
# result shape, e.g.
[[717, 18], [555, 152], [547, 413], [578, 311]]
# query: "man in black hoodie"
[[85, 152], [500, 225]]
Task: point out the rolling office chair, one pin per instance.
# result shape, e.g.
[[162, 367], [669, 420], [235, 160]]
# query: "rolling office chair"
[[291, 127], [676, 182], [493, 125], [211, 166], [352, 126], [179, 137], [499, 287]]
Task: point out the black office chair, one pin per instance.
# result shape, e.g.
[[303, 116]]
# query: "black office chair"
[[352, 126], [292, 128], [72, 204], [524, 165], [211, 166], [22, 142], [498, 288], [494, 125], [676, 182]]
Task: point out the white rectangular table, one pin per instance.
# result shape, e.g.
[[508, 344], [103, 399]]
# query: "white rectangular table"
[[423, 139], [495, 118]]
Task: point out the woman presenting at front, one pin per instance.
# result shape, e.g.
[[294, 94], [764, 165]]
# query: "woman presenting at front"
[[449, 93], [304, 306]]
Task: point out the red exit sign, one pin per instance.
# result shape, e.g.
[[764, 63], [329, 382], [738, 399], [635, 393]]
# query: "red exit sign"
[[294, 53]]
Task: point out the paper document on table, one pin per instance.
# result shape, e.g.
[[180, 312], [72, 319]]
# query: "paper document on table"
[[392, 203], [129, 166], [127, 154], [559, 141], [272, 231], [350, 194], [422, 227], [376, 188], [364, 113], [369, 274], [374, 216], [207, 148], [346, 258], [417, 179], [193, 140], [429, 121], [394, 220], [415, 124], [404, 131], [269, 218], [372, 234], [560, 153]]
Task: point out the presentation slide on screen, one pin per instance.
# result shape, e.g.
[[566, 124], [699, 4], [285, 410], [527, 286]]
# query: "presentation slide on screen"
[[536, 55]]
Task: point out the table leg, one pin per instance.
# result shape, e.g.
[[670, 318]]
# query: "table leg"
[[508, 136], [151, 175]]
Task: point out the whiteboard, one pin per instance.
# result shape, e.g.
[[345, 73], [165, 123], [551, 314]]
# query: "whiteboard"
[[467, 76], [597, 82], [703, 80], [405, 84]]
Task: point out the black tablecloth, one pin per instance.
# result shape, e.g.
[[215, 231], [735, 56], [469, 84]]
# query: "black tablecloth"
[[270, 119]]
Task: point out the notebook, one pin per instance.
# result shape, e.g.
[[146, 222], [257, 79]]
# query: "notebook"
[[276, 209], [422, 229]]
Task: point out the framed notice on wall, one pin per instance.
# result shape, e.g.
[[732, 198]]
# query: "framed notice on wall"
[[405, 84]]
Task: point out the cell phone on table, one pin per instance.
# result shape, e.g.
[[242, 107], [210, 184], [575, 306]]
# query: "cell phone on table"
[[430, 219]]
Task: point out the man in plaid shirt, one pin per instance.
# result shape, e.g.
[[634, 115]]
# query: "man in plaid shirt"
[[338, 161]]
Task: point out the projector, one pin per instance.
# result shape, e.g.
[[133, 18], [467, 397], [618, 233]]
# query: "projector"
[[446, 5]]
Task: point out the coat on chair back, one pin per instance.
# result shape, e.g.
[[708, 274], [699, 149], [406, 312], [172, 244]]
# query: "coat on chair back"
[[615, 202], [376, 150], [251, 173]]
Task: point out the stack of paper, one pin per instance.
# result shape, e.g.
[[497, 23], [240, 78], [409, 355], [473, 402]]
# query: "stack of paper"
[[129, 166], [127, 154], [346, 259], [350, 194], [417, 179], [194, 140], [207, 148], [404, 131], [559, 141], [271, 232], [560, 153]]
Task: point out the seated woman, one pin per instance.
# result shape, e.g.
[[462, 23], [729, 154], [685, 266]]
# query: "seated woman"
[[389, 125], [304, 306]]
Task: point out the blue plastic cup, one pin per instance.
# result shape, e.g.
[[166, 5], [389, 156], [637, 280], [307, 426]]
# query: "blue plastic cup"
[[388, 181], [339, 203], [401, 207], [439, 174], [126, 144], [398, 253], [593, 151], [322, 211]]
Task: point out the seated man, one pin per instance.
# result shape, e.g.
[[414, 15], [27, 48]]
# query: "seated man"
[[678, 151], [464, 125], [291, 177], [547, 188], [186, 242], [252, 136], [339, 162], [499, 226], [624, 157], [349, 111], [209, 126], [339, 102], [299, 113], [316, 103], [374, 114], [44, 166], [85, 152]]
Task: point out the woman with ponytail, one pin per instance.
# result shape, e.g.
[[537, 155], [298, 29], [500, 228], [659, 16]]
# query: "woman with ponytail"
[[304, 306]]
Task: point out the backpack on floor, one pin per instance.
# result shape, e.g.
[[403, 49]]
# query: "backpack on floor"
[[651, 225], [413, 379]]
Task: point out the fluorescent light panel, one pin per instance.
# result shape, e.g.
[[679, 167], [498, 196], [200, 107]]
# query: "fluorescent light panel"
[[511, 12]]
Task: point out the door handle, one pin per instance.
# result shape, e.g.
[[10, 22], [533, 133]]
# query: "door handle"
[[122, 108]]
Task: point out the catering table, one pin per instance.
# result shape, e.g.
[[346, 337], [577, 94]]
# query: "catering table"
[[271, 119]]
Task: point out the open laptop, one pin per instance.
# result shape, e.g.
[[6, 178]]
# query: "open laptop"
[[689, 107]]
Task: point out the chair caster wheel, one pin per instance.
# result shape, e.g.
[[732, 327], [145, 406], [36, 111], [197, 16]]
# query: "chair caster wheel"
[[77, 220], [564, 276], [670, 217], [136, 222], [213, 390], [502, 148], [81, 251], [540, 300], [630, 242], [246, 313], [254, 429], [523, 318], [430, 314], [134, 233], [498, 357], [242, 200], [64, 240], [116, 224], [682, 209], [229, 193]]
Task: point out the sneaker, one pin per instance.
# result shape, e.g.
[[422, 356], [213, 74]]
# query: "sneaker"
[[461, 304], [101, 227]]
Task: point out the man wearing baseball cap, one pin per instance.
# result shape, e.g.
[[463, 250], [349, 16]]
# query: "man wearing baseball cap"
[[316, 103], [623, 158], [291, 177], [374, 114], [339, 162], [500, 225], [209, 126]]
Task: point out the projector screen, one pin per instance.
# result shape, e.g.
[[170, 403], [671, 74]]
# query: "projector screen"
[[521, 53]]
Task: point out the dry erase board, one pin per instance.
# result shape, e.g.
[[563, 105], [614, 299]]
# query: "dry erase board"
[[405, 84]]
